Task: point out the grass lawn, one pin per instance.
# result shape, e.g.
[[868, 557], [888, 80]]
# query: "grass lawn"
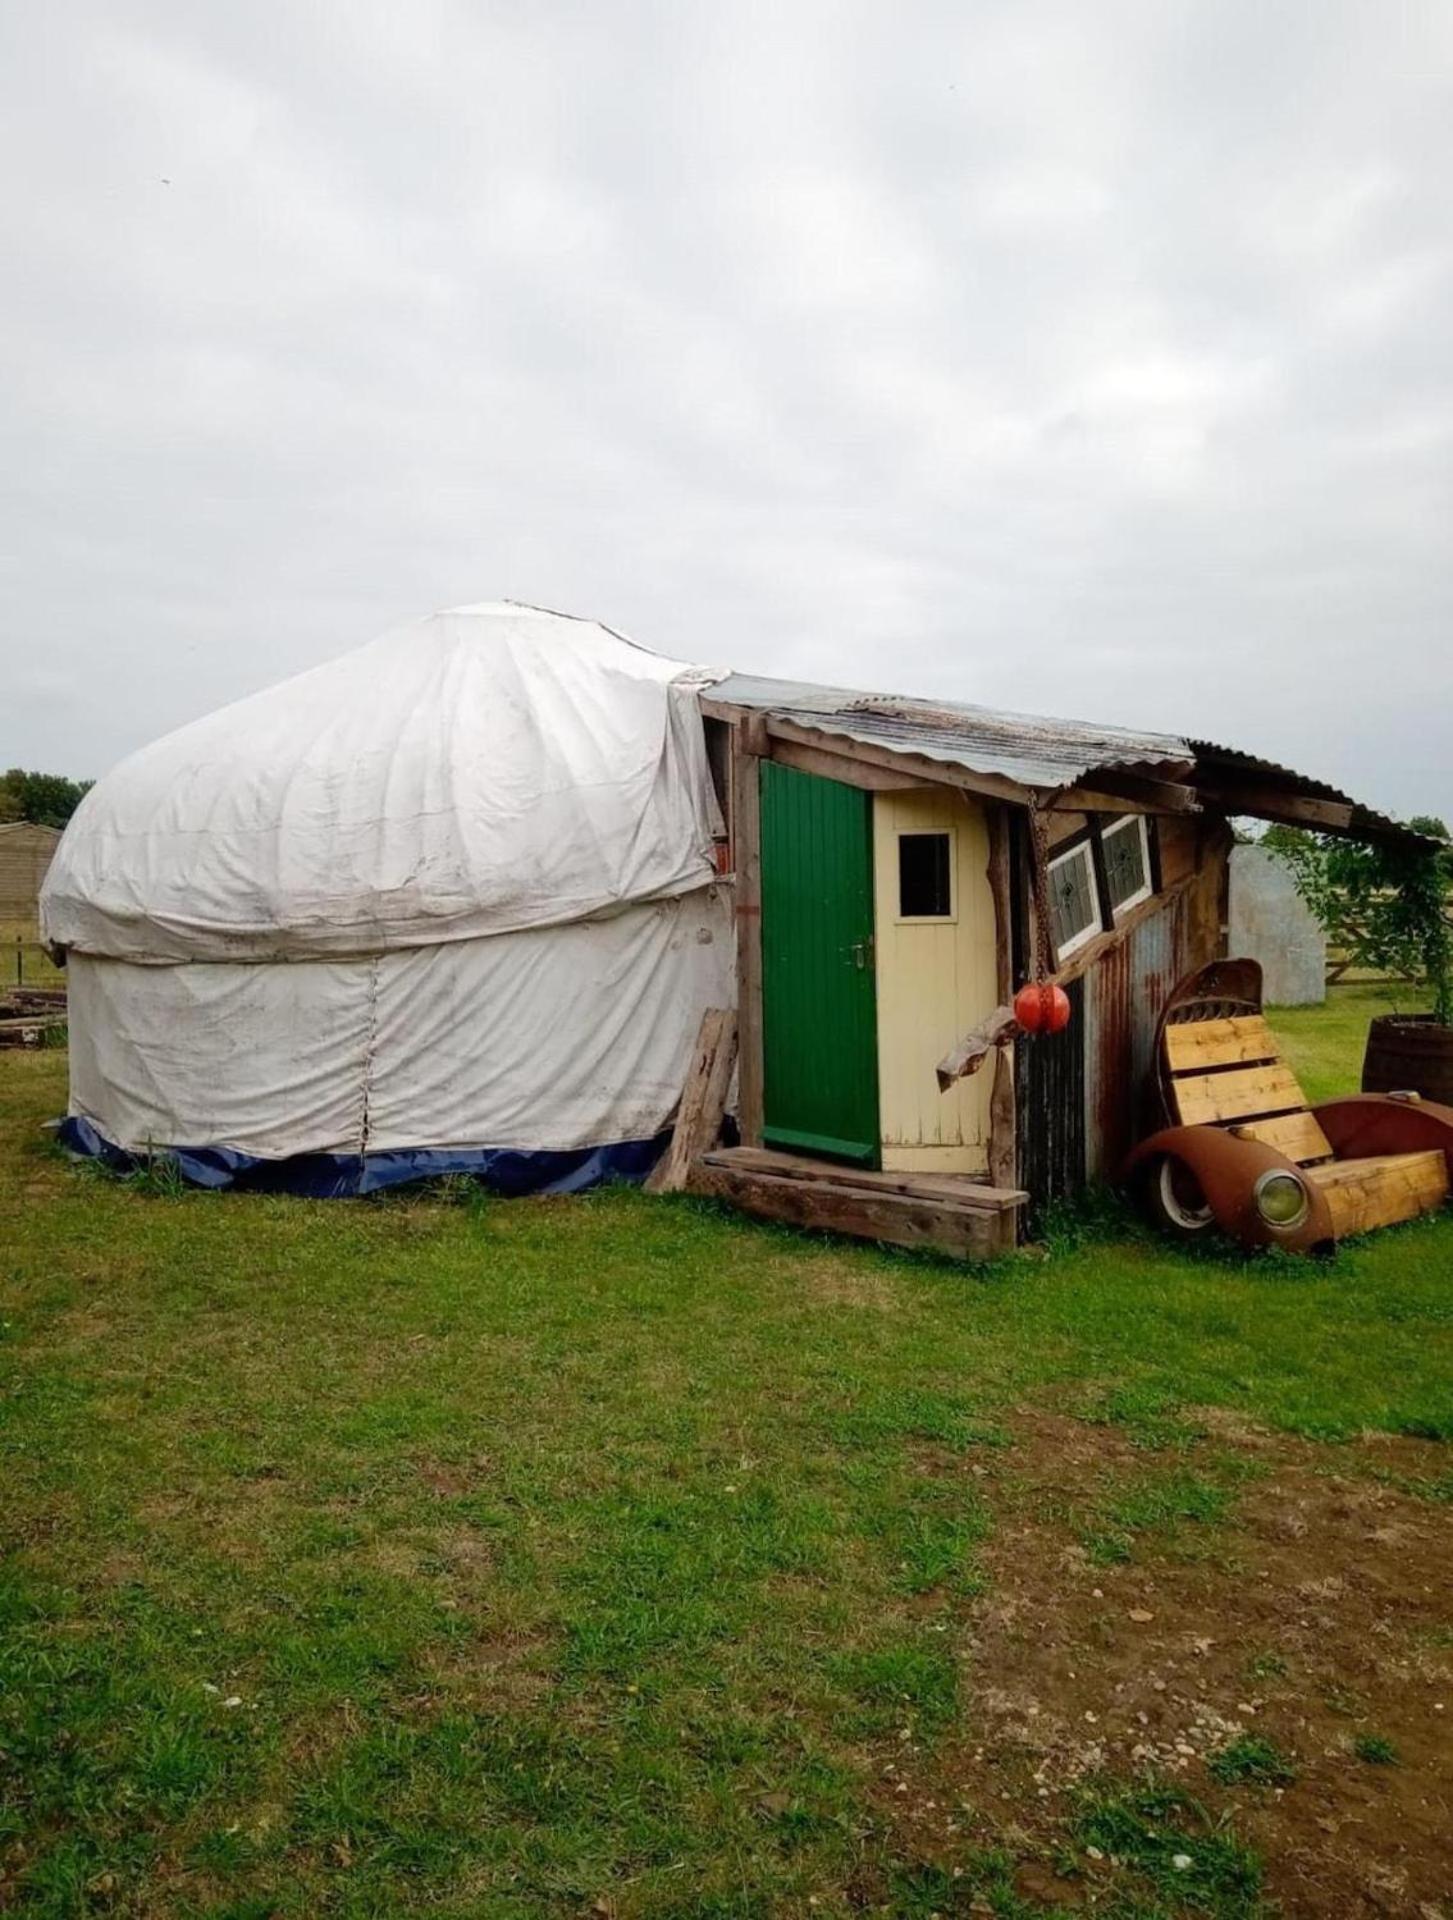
[[614, 1556], [1325, 1044]]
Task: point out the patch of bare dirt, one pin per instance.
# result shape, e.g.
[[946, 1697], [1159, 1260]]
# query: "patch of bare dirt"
[[1321, 1609], [452, 1479], [492, 1671]]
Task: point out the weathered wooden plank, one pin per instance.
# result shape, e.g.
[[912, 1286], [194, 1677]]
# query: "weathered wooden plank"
[[969, 1054], [1003, 1126], [1269, 803], [1298, 1135], [1177, 841], [1426, 1162], [1110, 790], [950, 1189], [1086, 958], [753, 734], [30, 1001], [703, 1101], [1207, 896], [1003, 1120], [1219, 1043], [937, 772], [969, 1233], [747, 889], [1382, 1190], [30, 1031], [1239, 1094], [841, 767]]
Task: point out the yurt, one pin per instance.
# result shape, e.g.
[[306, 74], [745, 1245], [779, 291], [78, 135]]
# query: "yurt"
[[444, 904]]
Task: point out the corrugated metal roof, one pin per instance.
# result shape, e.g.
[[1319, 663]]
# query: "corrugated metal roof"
[[1212, 758], [1036, 752], [1027, 748]]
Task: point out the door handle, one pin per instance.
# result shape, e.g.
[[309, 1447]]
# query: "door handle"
[[862, 952]]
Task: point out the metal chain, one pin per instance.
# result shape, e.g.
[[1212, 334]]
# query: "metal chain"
[[1039, 881]]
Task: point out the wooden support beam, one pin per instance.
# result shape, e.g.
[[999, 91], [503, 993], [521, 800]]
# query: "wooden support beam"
[[1287, 809], [747, 851], [753, 735], [1003, 1118], [1003, 1122], [919, 766], [1108, 790], [942, 773], [1111, 790], [713, 709], [703, 1102], [840, 767]]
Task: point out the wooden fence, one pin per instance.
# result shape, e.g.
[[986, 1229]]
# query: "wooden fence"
[[24, 962], [1343, 966]]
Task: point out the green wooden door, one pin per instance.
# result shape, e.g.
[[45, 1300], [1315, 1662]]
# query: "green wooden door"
[[819, 1013]]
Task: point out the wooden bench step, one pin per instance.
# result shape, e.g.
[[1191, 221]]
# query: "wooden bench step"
[[959, 1217], [957, 1189]]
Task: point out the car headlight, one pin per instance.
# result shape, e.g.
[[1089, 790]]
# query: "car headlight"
[[1281, 1200]]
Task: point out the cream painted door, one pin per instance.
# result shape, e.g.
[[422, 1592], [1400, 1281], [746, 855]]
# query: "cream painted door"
[[934, 931]]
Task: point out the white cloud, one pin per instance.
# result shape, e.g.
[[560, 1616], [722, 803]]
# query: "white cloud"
[[1094, 359]]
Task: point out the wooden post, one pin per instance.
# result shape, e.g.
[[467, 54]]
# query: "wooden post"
[[703, 1102], [747, 847], [1003, 1121]]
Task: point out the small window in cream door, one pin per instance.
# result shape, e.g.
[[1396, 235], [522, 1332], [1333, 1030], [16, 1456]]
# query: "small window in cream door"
[[926, 863]]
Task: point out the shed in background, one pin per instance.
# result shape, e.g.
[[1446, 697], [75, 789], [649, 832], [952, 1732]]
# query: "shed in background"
[[26, 851], [1272, 923]]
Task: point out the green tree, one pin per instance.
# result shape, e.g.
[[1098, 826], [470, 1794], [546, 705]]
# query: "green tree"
[[1384, 902], [49, 799]]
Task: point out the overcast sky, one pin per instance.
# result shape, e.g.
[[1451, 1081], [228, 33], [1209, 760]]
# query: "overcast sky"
[[1090, 358]]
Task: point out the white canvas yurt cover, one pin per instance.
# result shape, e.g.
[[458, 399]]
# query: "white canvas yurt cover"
[[446, 903]]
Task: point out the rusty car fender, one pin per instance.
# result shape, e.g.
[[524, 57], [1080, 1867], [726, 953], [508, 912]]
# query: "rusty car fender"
[[1227, 1169], [1370, 1123]]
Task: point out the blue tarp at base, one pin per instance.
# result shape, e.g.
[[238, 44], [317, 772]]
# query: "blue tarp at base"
[[330, 1176]]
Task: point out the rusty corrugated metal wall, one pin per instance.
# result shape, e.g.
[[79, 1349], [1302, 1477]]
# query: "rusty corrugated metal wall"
[[1123, 998], [1084, 1097], [1049, 1089]]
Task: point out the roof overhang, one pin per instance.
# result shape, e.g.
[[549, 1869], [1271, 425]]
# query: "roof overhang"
[[1030, 760], [1234, 782]]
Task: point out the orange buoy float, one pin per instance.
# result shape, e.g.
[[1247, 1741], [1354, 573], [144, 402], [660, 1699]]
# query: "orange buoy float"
[[1042, 1008]]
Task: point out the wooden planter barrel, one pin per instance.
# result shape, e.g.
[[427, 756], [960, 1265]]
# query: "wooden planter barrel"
[[1409, 1052]]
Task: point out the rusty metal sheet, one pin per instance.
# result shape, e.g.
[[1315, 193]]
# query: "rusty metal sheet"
[[1125, 992], [1035, 751], [1212, 758], [1049, 1077]]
